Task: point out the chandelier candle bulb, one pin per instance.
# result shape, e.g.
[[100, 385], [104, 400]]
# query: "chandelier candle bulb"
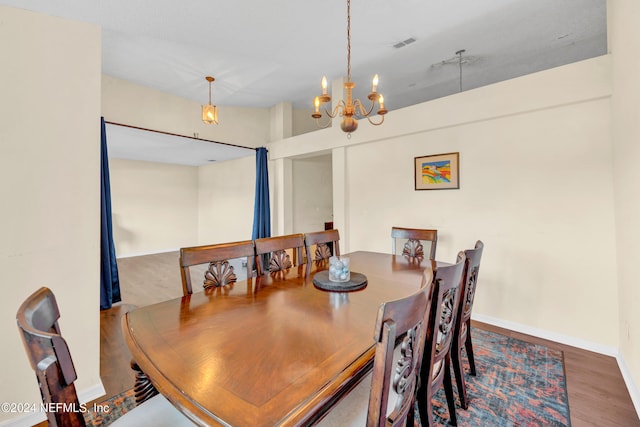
[[374, 84], [324, 85], [381, 102]]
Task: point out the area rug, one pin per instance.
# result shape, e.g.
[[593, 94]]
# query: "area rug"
[[517, 384], [107, 411]]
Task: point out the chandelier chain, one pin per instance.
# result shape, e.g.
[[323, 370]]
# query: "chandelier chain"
[[349, 40]]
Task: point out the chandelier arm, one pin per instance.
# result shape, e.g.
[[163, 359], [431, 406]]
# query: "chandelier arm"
[[363, 112], [321, 126], [374, 123], [334, 113]]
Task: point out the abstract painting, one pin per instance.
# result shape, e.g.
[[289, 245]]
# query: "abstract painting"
[[437, 172]]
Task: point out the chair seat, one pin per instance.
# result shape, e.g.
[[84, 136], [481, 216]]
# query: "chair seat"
[[157, 412], [352, 410]]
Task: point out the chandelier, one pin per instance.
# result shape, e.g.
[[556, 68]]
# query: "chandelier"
[[350, 110], [210, 112]]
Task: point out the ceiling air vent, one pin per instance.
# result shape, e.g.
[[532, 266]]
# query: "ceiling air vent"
[[403, 43]]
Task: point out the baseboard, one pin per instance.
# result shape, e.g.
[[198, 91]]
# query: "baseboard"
[[631, 386], [32, 418], [574, 342], [548, 335], [162, 251]]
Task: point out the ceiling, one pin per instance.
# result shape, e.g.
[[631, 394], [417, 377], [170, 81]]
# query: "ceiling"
[[262, 53]]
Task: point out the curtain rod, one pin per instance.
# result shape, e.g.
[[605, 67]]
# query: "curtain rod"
[[181, 136]]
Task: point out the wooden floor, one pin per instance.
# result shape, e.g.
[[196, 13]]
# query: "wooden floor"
[[596, 389]]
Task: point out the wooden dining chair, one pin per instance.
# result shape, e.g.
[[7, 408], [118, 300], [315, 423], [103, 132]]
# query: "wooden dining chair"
[[436, 363], [386, 397], [412, 240], [321, 245], [462, 330], [278, 252], [51, 360], [219, 257]]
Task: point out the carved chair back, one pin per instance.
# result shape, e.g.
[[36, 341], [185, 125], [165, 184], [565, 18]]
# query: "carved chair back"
[[49, 355], [436, 359], [321, 245], [394, 383], [413, 246], [387, 396], [50, 358], [219, 257], [462, 334], [279, 252]]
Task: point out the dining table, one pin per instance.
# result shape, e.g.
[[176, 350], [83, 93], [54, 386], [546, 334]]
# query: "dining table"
[[271, 350]]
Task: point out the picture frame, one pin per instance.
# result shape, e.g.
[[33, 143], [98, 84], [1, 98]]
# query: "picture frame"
[[437, 172]]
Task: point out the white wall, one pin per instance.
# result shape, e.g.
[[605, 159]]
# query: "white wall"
[[624, 38], [536, 187], [154, 206], [50, 187], [312, 193]]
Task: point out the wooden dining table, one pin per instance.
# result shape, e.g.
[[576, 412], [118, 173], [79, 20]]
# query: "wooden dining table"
[[272, 350]]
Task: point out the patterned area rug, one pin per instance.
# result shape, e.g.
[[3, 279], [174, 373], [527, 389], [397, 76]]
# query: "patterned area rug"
[[117, 406], [517, 384]]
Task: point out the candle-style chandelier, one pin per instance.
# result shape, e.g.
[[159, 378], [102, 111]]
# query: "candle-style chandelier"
[[350, 110]]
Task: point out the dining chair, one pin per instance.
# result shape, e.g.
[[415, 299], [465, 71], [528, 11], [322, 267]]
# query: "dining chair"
[[276, 252], [436, 363], [462, 329], [412, 240], [220, 258], [387, 395], [51, 360], [322, 244]]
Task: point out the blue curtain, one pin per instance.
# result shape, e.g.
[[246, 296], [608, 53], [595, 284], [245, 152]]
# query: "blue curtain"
[[109, 281], [261, 209]]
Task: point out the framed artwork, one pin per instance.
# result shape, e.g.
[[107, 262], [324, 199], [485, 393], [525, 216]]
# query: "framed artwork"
[[437, 172]]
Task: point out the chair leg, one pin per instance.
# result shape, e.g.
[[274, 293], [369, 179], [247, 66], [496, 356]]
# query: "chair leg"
[[458, 370], [423, 396], [448, 391], [468, 345]]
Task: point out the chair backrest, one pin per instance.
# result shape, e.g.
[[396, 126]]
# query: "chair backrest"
[[220, 258], [321, 245], [469, 281], [413, 239], [49, 355], [442, 320], [276, 249], [404, 323]]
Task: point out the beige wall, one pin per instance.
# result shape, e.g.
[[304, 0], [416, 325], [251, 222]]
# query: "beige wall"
[[50, 187], [536, 172], [624, 39], [535, 188], [225, 200], [312, 193], [155, 206], [131, 104]]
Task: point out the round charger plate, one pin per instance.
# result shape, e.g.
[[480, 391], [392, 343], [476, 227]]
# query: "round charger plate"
[[356, 282]]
